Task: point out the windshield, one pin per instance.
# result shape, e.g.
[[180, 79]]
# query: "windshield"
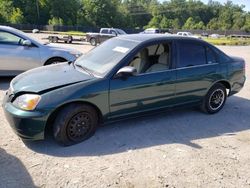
[[121, 32], [103, 58]]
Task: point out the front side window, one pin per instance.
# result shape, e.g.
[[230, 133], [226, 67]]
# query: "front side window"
[[8, 38], [120, 32], [112, 32], [191, 54], [153, 58]]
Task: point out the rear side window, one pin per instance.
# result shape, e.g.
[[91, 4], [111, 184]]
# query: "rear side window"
[[222, 58], [191, 54], [105, 31], [211, 57]]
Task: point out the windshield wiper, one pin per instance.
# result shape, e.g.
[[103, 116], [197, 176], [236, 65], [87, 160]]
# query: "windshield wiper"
[[85, 69]]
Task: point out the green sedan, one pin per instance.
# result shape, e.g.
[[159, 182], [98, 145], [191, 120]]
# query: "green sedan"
[[125, 76]]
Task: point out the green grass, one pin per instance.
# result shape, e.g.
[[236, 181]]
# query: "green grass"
[[74, 33], [228, 41]]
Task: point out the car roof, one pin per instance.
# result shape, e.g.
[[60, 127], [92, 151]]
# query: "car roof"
[[110, 28], [7, 28], [12, 30], [18, 33], [149, 37]]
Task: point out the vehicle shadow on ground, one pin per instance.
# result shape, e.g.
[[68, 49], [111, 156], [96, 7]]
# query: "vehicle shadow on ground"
[[13, 173], [5, 82], [176, 126]]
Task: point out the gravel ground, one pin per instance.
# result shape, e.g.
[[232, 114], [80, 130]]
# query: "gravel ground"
[[179, 148]]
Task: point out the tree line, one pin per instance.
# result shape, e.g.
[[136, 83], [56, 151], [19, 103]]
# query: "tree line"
[[173, 14]]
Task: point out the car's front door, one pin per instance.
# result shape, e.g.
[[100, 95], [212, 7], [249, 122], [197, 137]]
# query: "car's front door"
[[105, 35], [197, 69], [15, 57], [148, 90]]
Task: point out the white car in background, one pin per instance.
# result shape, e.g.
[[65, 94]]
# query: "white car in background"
[[215, 36], [19, 52], [151, 31], [188, 34]]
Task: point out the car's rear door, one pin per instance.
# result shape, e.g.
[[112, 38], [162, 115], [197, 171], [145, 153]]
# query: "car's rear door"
[[197, 68], [14, 57], [143, 92]]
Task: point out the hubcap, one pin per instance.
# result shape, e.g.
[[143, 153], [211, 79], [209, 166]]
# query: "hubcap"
[[216, 99], [93, 42], [78, 126]]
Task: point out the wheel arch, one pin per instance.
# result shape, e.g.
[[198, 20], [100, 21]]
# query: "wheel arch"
[[223, 82], [55, 57], [96, 39], [52, 115]]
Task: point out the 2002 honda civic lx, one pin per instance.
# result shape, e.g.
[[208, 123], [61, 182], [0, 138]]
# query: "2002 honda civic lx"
[[124, 76]]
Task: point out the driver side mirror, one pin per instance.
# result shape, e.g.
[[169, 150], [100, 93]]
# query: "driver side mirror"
[[125, 72], [26, 43]]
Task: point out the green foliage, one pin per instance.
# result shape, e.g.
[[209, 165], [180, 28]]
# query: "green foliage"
[[6, 8], [56, 21], [166, 23], [200, 25], [246, 27], [189, 24], [154, 22], [213, 24], [176, 14], [16, 16]]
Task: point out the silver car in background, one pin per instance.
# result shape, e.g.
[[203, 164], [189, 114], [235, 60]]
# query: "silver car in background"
[[19, 52]]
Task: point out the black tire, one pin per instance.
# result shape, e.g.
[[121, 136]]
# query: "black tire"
[[75, 123], [54, 40], [215, 99], [93, 41], [55, 60]]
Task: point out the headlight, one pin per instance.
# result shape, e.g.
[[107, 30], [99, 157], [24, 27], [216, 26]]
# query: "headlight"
[[76, 54], [27, 101]]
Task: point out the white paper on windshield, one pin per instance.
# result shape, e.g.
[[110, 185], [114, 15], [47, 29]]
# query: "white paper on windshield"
[[120, 49]]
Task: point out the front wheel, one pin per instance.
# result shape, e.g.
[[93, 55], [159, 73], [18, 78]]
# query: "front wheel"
[[75, 123], [55, 60], [215, 99]]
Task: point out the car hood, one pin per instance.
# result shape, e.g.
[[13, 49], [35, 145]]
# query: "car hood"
[[48, 78], [61, 48]]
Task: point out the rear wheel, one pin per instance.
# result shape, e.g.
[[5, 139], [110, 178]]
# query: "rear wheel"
[[54, 39], [215, 99], [93, 42], [75, 123]]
